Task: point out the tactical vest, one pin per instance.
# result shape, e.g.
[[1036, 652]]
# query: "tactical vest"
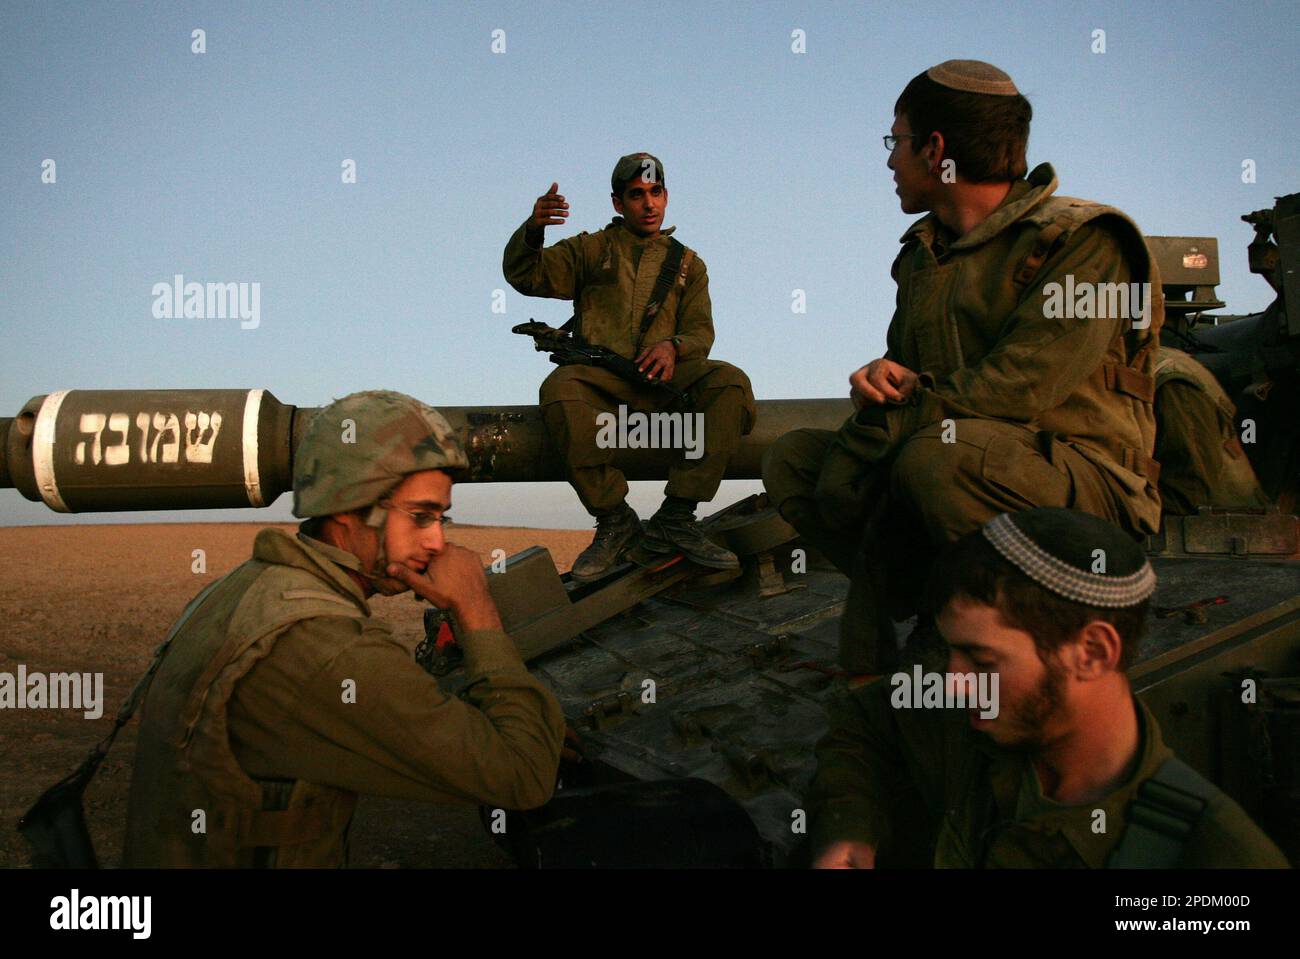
[[1055, 219], [1110, 418], [1221, 474], [191, 802], [603, 261], [671, 277]]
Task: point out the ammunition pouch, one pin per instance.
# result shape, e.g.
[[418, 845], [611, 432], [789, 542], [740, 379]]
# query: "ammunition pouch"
[[55, 825]]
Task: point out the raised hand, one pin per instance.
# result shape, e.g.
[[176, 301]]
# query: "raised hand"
[[549, 210]]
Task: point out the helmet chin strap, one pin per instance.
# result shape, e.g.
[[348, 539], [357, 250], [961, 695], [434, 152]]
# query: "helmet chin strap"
[[377, 520]]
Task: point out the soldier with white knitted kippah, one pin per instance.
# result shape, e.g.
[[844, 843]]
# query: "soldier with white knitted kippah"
[[1066, 769]]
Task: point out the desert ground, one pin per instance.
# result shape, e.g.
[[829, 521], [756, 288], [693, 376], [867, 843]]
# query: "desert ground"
[[100, 599]]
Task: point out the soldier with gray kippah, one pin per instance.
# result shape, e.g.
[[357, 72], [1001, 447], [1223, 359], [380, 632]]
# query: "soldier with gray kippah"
[[1068, 770], [278, 697], [987, 398]]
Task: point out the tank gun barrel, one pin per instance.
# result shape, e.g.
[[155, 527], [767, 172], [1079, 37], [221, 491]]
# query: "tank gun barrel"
[[117, 450]]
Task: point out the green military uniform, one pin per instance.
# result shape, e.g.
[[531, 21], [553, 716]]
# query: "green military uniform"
[[246, 720], [1202, 462], [925, 788], [610, 275], [1042, 411], [278, 697]]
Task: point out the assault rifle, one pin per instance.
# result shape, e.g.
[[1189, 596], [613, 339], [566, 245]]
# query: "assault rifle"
[[566, 351]]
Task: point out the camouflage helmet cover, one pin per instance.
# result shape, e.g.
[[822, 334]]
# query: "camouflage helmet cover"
[[359, 448], [632, 166]]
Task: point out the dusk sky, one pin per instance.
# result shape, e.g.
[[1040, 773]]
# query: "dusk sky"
[[226, 166]]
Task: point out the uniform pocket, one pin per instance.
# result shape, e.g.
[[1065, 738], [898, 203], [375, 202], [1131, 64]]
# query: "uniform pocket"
[[1020, 471], [951, 851]]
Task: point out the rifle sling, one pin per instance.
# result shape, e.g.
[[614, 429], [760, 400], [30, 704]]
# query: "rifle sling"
[[663, 283], [1161, 818], [668, 273], [86, 771]]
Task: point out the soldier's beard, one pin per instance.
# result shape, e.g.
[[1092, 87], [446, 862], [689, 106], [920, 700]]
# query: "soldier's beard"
[[1033, 715]]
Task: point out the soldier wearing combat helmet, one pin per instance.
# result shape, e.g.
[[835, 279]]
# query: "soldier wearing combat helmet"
[[1066, 769], [279, 697], [639, 292]]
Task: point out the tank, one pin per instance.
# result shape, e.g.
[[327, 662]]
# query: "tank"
[[697, 695]]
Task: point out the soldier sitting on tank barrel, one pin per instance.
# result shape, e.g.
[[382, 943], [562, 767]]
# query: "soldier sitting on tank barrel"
[[638, 291], [994, 393], [279, 696], [1065, 768]]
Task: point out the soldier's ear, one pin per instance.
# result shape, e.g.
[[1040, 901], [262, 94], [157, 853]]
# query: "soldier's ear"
[[334, 529], [1098, 649], [934, 151], [352, 518], [618, 203]]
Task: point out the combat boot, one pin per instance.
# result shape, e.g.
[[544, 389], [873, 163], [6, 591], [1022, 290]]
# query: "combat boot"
[[615, 533], [674, 529]]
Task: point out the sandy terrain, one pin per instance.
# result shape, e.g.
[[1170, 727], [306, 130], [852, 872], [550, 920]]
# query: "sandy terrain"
[[100, 598]]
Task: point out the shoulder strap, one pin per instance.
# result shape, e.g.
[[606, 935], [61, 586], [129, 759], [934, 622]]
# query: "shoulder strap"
[[668, 275], [134, 698], [1162, 816], [55, 823], [308, 601], [1057, 219], [1047, 239]]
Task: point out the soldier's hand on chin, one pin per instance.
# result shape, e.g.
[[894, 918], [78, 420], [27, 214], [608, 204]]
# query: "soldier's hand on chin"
[[659, 361], [454, 580], [847, 854], [881, 381]]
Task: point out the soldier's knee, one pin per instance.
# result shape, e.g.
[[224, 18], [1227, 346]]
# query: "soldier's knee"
[[726, 393], [919, 462], [562, 384], [727, 375], [774, 467], [930, 472], [791, 464], [722, 377]]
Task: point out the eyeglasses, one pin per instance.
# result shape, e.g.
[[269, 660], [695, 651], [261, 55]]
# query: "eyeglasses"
[[891, 140], [422, 519]]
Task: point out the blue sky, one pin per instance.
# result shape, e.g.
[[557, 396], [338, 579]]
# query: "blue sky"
[[225, 166]]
